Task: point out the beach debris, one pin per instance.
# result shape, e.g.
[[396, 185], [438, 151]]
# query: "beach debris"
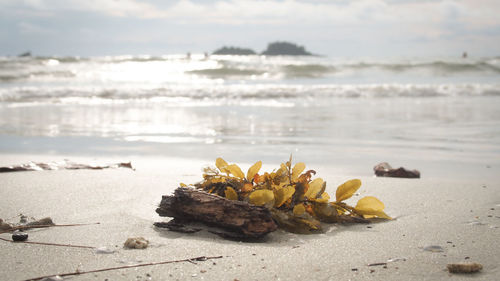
[[53, 278], [136, 243], [385, 170], [251, 204], [378, 264], [434, 248], [241, 219], [23, 219], [5, 225], [178, 226], [465, 267], [476, 222], [48, 244], [19, 236], [24, 224], [396, 259], [61, 165], [104, 250], [43, 221], [78, 272]]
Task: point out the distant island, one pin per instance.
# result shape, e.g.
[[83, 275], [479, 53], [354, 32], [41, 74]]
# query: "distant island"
[[234, 51], [285, 49], [273, 49]]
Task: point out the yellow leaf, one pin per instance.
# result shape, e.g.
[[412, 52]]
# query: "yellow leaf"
[[324, 198], [299, 209], [252, 171], [314, 188], [297, 169], [221, 164], [282, 195], [282, 170], [370, 206], [183, 184], [235, 170], [262, 197], [230, 193], [347, 189]]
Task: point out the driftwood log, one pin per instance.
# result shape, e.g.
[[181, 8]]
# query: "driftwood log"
[[234, 219]]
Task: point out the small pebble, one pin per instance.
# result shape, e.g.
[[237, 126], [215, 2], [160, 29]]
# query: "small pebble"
[[19, 236]]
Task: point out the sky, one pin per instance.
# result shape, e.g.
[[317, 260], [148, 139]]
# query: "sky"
[[356, 28]]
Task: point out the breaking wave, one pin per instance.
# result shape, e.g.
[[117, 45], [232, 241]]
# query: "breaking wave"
[[260, 95], [243, 67]]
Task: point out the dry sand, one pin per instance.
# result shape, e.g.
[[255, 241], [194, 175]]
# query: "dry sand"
[[461, 217]]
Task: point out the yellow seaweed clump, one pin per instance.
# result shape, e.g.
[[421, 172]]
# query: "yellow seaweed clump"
[[297, 202]]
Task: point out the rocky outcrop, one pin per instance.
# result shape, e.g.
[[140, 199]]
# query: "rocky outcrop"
[[285, 49], [234, 51]]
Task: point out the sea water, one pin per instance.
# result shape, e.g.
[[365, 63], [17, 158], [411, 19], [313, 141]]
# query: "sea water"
[[439, 115]]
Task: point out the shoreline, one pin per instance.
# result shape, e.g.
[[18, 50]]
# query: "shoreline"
[[345, 162], [461, 217]]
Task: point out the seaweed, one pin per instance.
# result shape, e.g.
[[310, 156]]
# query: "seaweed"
[[297, 202]]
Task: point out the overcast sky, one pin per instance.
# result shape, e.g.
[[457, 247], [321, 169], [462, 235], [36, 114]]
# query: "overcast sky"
[[367, 28]]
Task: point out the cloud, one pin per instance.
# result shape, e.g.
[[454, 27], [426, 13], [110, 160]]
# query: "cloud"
[[358, 23], [29, 28], [474, 13]]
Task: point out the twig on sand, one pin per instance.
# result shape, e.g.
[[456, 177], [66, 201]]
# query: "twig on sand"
[[191, 260], [23, 227], [48, 244], [377, 264]]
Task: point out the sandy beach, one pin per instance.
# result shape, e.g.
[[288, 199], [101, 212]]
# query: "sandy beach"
[[463, 218], [171, 86]]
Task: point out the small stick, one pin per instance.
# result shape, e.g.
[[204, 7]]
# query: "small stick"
[[22, 227], [202, 258], [48, 244], [377, 264]]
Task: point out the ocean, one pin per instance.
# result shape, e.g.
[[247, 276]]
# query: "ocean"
[[438, 115]]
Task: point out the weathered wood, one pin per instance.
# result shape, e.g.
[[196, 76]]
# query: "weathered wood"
[[243, 219]]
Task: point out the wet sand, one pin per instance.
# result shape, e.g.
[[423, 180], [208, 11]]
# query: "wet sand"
[[461, 217]]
